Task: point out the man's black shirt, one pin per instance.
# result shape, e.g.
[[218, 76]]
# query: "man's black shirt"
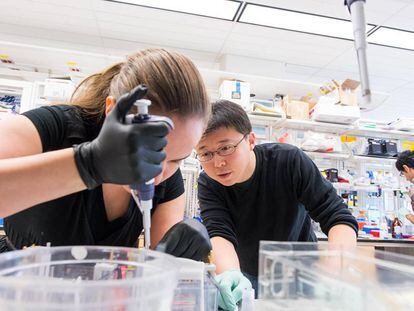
[[277, 203]]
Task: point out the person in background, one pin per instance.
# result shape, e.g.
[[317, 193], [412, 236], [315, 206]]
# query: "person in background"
[[65, 169], [249, 193], [405, 165]]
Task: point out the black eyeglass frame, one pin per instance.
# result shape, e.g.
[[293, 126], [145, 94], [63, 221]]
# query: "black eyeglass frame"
[[212, 153]]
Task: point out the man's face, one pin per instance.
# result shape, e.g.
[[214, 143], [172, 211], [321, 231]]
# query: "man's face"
[[227, 169]]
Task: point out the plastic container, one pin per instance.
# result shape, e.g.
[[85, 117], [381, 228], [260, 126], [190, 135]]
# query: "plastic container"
[[86, 278], [196, 290], [316, 276]]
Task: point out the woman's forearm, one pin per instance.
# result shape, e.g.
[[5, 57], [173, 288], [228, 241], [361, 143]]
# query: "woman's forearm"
[[30, 180]]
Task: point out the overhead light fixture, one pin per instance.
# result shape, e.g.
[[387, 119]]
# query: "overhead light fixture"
[[222, 9], [298, 21], [392, 37]]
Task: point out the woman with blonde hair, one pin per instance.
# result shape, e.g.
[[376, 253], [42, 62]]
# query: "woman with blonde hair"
[[65, 169]]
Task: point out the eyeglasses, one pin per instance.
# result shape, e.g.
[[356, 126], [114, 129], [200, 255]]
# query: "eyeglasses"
[[222, 151]]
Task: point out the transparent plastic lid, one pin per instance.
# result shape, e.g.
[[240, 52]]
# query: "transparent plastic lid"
[[326, 277], [86, 278]]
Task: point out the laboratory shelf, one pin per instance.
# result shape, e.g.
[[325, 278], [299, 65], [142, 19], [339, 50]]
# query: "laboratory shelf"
[[334, 128], [325, 155], [367, 158], [381, 133], [366, 188]]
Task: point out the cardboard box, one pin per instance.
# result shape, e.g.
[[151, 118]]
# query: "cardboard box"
[[296, 109], [237, 92], [347, 92]]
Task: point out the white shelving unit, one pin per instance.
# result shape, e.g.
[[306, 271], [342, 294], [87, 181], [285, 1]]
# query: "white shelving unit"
[[349, 157], [340, 129], [372, 159], [22, 88], [358, 194], [367, 188], [381, 133], [324, 155]]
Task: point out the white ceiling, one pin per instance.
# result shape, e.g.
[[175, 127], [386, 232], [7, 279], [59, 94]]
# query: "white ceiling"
[[46, 34]]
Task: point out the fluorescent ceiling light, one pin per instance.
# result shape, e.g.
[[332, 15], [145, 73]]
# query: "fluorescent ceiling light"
[[393, 38], [223, 9], [298, 21]]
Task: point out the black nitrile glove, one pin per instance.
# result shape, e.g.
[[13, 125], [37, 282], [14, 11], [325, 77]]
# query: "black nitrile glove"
[[186, 239], [123, 153]]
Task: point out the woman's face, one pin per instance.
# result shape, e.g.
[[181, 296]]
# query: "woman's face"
[[181, 141]]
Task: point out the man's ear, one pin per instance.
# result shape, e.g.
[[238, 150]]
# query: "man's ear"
[[109, 104], [406, 168], [252, 140]]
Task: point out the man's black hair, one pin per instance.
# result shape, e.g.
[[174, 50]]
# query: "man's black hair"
[[405, 158], [228, 115]]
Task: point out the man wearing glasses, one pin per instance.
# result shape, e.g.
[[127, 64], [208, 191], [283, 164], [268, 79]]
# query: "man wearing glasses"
[[405, 165], [249, 193]]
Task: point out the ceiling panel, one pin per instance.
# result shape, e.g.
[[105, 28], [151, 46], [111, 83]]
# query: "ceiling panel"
[[326, 75], [295, 77], [409, 85], [390, 111], [399, 22], [80, 4], [123, 48], [208, 29], [146, 34], [382, 61], [156, 18], [58, 8], [48, 34], [61, 23], [164, 41], [301, 70], [281, 51], [386, 85], [403, 20]]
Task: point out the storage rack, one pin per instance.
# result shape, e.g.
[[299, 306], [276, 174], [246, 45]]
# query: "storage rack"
[[390, 201]]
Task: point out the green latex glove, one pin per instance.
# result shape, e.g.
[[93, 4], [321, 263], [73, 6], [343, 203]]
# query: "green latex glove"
[[231, 285]]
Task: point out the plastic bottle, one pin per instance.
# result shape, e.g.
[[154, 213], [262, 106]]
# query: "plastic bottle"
[[247, 300], [361, 219], [384, 231], [396, 228]]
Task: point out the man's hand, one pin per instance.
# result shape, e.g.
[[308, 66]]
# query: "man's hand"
[[231, 285]]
